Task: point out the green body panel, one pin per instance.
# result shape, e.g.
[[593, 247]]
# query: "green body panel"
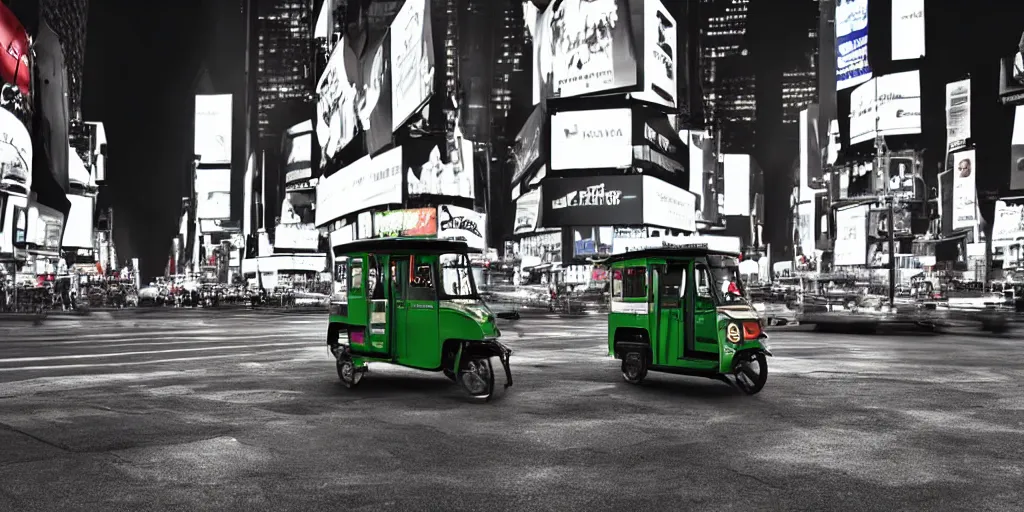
[[665, 324]]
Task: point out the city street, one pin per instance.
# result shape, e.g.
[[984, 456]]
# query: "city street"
[[191, 410]]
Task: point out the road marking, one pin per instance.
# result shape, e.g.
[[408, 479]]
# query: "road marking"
[[141, 352], [137, 363]]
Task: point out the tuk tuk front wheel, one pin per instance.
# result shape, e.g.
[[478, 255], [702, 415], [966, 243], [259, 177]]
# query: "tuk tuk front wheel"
[[348, 373], [751, 372], [634, 368], [477, 377]]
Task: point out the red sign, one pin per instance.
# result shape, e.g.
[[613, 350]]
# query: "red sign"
[[412, 222], [14, 59]]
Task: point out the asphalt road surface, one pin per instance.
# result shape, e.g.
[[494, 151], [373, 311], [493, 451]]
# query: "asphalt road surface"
[[244, 411]]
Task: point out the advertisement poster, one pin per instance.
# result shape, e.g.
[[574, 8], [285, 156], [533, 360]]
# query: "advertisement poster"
[[810, 150], [15, 152], [592, 139], [299, 150], [45, 226], [592, 44], [852, 67], [863, 113], [965, 194], [366, 183], [1008, 223], [660, 58], [1017, 150], [301, 237], [412, 222], [456, 223], [902, 181], [593, 201], [851, 236], [335, 108], [668, 206], [898, 97], [737, 185], [437, 178], [958, 114], [878, 223], [373, 97], [213, 193], [907, 29], [538, 24], [526, 149], [213, 128], [79, 231], [412, 61], [527, 212]]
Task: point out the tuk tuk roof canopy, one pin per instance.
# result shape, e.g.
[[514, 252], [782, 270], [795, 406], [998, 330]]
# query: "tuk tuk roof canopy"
[[403, 244], [689, 251]]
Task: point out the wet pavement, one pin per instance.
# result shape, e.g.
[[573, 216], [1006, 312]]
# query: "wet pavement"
[[244, 411]]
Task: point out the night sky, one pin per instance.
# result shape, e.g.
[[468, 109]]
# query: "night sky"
[[141, 60]]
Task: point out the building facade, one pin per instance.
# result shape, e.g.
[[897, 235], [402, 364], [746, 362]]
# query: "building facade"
[[68, 18], [728, 72]]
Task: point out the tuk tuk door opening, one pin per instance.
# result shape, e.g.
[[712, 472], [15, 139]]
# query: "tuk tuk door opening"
[[420, 347], [378, 309], [705, 315], [398, 278], [670, 322]]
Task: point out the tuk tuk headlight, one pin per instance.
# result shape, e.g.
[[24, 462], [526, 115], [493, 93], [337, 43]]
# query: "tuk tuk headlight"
[[733, 333]]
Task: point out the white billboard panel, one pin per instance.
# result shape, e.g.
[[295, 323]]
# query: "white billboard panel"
[[213, 128], [737, 184], [213, 193], [78, 233]]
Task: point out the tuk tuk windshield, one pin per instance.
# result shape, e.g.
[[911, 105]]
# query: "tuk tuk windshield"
[[457, 277], [726, 272]]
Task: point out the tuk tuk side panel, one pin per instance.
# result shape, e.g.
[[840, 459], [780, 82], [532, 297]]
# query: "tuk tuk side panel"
[[353, 312], [419, 346], [628, 317]]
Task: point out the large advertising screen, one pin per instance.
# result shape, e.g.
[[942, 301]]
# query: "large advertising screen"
[[1011, 80], [907, 29], [592, 139], [213, 128], [15, 152], [436, 177], [457, 223], [592, 201], [660, 58], [527, 212], [852, 66], [526, 150], [366, 183], [78, 233], [965, 192], [410, 222], [583, 47], [668, 206], [298, 148], [810, 152], [335, 108], [1017, 150], [412, 61], [44, 227], [736, 171], [297, 237], [213, 193], [851, 236], [887, 105]]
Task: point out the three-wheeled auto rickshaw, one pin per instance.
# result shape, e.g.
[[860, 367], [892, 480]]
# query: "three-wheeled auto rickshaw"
[[413, 302], [681, 310]]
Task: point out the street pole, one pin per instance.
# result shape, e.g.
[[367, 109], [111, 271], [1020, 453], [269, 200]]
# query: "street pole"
[[892, 256], [880, 156]]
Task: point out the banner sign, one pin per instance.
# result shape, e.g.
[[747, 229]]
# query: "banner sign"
[[213, 128], [660, 58], [412, 61], [851, 236], [887, 105], [213, 193], [592, 139], [907, 29], [668, 206], [526, 149], [592, 45], [592, 201], [1008, 224], [412, 222], [335, 108], [1017, 150], [366, 183], [852, 67], [958, 114], [527, 212], [456, 223], [965, 194]]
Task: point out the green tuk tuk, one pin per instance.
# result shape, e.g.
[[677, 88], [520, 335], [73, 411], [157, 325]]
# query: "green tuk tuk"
[[412, 302], [681, 310]]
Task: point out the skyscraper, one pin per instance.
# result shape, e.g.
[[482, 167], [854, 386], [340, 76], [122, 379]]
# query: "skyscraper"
[[800, 77], [68, 20], [729, 74], [284, 58]]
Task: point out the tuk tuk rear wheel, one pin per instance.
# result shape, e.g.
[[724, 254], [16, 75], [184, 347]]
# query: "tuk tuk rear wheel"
[[477, 377], [749, 380], [634, 368], [349, 375]]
